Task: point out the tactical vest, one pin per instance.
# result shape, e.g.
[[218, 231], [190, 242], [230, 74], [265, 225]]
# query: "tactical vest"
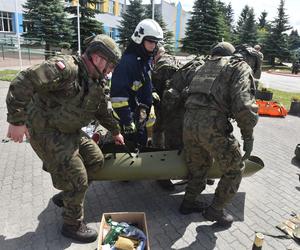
[[205, 78]]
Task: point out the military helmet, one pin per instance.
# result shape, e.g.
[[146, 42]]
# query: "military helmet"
[[147, 29], [105, 45], [223, 49], [257, 47]]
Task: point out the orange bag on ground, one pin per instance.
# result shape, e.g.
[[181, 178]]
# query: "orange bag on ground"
[[271, 108]]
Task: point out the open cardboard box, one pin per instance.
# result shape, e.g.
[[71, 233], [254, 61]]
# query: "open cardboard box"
[[138, 218]]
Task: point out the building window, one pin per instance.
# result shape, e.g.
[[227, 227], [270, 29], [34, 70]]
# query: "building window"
[[6, 22], [98, 6], [121, 9], [111, 7]]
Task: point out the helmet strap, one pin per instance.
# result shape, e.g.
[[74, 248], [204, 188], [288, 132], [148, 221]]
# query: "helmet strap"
[[101, 75]]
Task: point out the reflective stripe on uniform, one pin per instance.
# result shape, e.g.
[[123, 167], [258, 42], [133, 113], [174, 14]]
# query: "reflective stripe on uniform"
[[115, 115], [119, 102], [136, 85]]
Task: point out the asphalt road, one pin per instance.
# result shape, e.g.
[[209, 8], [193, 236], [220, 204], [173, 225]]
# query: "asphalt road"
[[280, 82]]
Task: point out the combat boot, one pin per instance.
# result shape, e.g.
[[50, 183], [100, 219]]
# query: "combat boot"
[[58, 199], [80, 232], [188, 207], [220, 216]]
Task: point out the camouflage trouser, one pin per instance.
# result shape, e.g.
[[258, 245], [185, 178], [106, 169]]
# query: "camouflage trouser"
[[158, 135], [71, 160], [173, 132], [167, 131], [207, 137]]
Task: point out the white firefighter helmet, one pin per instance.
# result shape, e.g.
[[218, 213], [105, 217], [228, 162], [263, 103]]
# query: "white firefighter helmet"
[[147, 29]]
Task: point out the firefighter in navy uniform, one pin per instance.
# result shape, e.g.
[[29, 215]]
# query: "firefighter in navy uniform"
[[131, 86]]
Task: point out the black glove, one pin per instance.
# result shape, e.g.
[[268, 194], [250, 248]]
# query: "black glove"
[[129, 129], [248, 147]]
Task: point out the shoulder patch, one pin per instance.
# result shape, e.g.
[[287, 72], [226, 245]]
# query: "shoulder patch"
[[60, 65]]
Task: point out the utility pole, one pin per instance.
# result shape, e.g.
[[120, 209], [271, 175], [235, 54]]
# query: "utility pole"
[[78, 28], [152, 3], [18, 34]]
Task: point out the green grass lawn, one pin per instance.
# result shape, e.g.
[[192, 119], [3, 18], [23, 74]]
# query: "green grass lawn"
[[8, 75], [284, 97]]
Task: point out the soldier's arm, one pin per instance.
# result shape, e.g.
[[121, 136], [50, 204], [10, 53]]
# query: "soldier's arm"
[[120, 89], [257, 73], [243, 103], [19, 95], [105, 118], [50, 75], [53, 74]]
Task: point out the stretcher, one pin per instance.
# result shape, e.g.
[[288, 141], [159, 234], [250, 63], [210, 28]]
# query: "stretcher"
[[152, 164], [271, 108]]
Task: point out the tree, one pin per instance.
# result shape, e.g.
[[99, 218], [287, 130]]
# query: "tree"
[[294, 40], [47, 22], [168, 35], [88, 24], [226, 20], [203, 28], [262, 20], [277, 44], [246, 31], [135, 12], [294, 45]]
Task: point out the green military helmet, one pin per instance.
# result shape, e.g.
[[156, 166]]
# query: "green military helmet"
[[223, 49], [105, 45]]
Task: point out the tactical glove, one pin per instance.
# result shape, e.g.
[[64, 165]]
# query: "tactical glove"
[[248, 147], [129, 129]]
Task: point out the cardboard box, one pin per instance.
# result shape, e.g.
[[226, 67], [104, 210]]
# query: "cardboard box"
[[138, 218]]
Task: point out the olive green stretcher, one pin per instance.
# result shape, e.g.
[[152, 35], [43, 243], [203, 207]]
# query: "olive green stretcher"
[[157, 165]]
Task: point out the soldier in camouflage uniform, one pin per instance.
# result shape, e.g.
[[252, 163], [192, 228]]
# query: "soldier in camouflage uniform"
[[253, 57], [173, 102], [164, 68], [50, 103], [220, 90]]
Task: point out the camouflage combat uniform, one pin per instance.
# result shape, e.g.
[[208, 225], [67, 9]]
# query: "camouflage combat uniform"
[[173, 102], [220, 90], [163, 71], [253, 57], [56, 99]]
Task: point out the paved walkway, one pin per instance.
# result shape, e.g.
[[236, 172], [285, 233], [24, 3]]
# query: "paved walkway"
[[29, 220]]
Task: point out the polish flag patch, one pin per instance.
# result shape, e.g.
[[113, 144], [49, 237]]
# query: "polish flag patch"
[[60, 65]]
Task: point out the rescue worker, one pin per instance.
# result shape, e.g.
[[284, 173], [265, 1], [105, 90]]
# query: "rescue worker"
[[50, 103], [220, 90], [254, 58], [295, 67], [257, 47], [131, 86], [164, 68], [173, 100]]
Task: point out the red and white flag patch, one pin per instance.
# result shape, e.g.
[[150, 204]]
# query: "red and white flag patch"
[[60, 65]]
